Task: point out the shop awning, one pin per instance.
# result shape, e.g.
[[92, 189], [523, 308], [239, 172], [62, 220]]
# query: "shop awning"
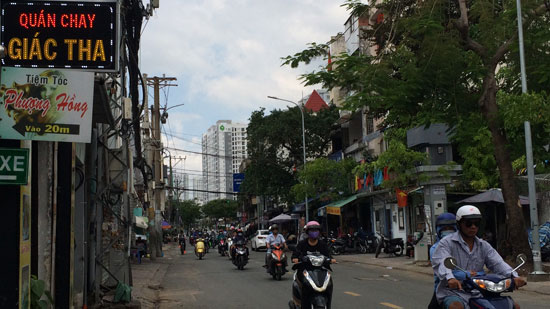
[[334, 207]]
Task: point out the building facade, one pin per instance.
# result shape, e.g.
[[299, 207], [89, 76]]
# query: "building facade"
[[224, 147]]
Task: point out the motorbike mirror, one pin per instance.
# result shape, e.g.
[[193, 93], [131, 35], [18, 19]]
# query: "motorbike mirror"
[[451, 263], [521, 259]]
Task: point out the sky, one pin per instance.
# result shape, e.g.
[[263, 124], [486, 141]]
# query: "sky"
[[226, 56]]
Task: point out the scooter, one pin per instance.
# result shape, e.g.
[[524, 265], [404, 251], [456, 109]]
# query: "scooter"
[[222, 247], [200, 250], [394, 246], [371, 243], [490, 286], [240, 255], [278, 262], [312, 283]]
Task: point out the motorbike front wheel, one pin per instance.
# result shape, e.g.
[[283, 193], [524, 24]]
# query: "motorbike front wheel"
[[378, 249], [334, 250], [399, 251], [362, 249]]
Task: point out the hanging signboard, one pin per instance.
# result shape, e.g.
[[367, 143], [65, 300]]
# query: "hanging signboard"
[[60, 34], [46, 105]]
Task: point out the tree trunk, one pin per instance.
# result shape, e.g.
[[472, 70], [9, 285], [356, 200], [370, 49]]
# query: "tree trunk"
[[516, 235]]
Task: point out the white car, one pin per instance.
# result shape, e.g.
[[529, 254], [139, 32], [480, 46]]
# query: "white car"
[[258, 241]]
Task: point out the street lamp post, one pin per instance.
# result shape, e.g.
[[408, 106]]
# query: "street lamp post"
[[301, 108]]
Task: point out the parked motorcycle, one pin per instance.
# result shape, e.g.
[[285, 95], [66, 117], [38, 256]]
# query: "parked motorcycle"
[[222, 247], [278, 262], [312, 283], [347, 243], [200, 248], [371, 243], [394, 246], [491, 286], [240, 255]]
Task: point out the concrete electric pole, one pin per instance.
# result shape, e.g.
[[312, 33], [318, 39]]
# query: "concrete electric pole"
[[157, 202]]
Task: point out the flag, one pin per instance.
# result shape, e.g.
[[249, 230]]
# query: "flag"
[[369, 179], [365, 184], [329, 66], [357, 183], [378, 177], [386, 174], [401, 197]]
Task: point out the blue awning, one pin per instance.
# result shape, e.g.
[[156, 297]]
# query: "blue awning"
[[301, 207]]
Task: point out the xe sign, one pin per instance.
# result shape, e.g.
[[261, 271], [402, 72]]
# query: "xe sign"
[[58, 34], [14, 164]]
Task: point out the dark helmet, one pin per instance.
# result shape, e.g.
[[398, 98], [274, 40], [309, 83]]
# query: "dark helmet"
[[274, 227]]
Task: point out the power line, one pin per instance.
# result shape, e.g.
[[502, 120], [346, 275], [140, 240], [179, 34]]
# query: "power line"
[[204, 191]]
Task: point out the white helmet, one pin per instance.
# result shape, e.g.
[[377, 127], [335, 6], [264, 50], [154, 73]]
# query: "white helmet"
[[468, 212]]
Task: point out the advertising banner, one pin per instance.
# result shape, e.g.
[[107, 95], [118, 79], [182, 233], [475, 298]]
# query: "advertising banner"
[[46, 105], [60, 34]]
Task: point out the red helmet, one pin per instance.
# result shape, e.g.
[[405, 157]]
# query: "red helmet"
[[232, 228]]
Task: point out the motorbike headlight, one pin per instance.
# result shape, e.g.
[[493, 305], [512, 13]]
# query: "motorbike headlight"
[[492, 286], [274, 256], [283, 256]]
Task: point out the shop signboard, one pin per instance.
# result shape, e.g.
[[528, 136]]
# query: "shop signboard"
[[333, 211], [46, 105], [61, 34]]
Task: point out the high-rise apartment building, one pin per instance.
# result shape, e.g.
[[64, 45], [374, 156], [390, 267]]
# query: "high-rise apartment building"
[[223, 149]]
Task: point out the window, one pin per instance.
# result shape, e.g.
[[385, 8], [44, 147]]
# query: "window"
[[370, 124]]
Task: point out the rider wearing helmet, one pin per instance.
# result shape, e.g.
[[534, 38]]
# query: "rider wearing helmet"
[[272, 239], [445, 225], [239, 239], [472, 254], [312, 243]]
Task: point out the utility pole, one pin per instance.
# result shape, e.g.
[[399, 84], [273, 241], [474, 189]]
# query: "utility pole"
[[158, 189]]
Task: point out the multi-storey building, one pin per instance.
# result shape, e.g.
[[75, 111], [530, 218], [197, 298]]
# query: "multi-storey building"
[[224, 148]]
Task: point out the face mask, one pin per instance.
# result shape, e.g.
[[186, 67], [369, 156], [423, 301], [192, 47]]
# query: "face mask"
[[313, 234], [446, 233]]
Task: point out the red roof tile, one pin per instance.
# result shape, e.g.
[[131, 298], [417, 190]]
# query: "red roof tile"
[[315, 103]]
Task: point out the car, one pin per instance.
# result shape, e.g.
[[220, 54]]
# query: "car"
[[258, 241]]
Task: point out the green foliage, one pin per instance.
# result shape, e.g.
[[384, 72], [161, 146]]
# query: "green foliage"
[[400, 161], [275, 148], [222, 208], [189, 211], [325, 178], [38, 290], [424, 71]]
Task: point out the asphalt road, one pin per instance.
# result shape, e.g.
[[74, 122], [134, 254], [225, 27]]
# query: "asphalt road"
[[215, 282]]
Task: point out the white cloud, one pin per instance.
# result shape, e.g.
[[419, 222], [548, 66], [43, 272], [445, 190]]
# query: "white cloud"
[[226, 55]]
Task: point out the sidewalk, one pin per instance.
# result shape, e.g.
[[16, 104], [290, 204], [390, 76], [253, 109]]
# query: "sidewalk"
[[147, 278], [423, 268]]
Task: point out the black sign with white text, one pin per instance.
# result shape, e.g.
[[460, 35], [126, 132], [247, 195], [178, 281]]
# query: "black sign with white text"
[[58, 34]]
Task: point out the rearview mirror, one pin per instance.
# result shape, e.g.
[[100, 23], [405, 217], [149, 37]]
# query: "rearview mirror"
[[521, 258], [450, 263]]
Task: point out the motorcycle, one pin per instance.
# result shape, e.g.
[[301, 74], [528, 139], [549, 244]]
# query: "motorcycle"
[[348, 243], [313, 284], [192, 240], [200, 248], [222, 247], [278, 262], [371, 243], [182, 245], [394, 246], [240, 255], [490, 286]]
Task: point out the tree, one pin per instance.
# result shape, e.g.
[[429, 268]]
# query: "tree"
[[189, 211], [275, 148], [325, 178], [439, 61], [221, 208]]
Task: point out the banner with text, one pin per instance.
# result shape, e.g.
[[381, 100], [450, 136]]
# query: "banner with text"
[[46, 105]]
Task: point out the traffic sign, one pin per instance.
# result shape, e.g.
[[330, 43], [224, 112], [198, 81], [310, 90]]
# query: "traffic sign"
[[14, 166]]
